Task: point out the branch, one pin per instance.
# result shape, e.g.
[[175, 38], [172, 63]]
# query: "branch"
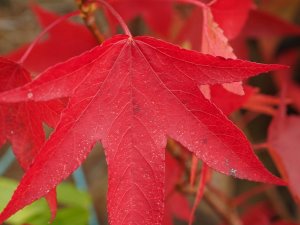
[[87, 14]]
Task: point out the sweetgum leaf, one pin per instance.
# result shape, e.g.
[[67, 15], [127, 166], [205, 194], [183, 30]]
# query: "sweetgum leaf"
[[263, 214], [261, 24], [227, 101], [209, 39], [284, 134], [176, 204], [192, 30], [16, 117], [132, 94], [205, 35], [215, 43], [157, 14], [61, 38], [22, 123], [264, 24], [231, 15], [259, 214]]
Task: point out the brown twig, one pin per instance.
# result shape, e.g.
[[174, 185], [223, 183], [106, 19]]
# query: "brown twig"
[[223, 210], [278, 204], [87, 14], [228, 214], [220, 194], [220, 205]]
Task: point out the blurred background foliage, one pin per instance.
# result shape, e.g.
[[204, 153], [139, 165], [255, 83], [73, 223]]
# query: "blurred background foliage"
[[74, 206]]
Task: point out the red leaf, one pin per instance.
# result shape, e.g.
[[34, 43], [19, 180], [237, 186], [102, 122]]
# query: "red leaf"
[[282, 222], [283, 78], [193, 171], [60, 37], [227, 101], [284, 136], [157, 14], [205, 35], [204, 178], [263, 24], [192, 30], [52, 202], [262, 214], [131, 94], [22, 123], [231, 15], [176, 204], [259, 214], [173, 174], [209, 39], [214, 41]]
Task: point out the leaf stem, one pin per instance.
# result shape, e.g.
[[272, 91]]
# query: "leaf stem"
[[194, 168], [228, 214], [47, 29], [224, 211], [200, 191], [87, 13], [115, 14]]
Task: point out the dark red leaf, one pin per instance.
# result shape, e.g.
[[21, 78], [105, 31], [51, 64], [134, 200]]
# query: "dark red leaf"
[[283, 78], [231, 15], [22, 123], [157, 14], [284, 136], [61, 38], [263, 24], [176, 204], [191, 32], [259, 214], [227, 101], [263, 214]]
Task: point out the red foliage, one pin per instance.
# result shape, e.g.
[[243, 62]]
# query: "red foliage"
[[132, 118], [133, 94]]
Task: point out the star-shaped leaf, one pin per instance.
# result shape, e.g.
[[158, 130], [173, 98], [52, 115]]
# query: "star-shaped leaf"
[[132, 94]]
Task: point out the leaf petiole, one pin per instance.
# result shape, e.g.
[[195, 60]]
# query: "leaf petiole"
[[115, 14]]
